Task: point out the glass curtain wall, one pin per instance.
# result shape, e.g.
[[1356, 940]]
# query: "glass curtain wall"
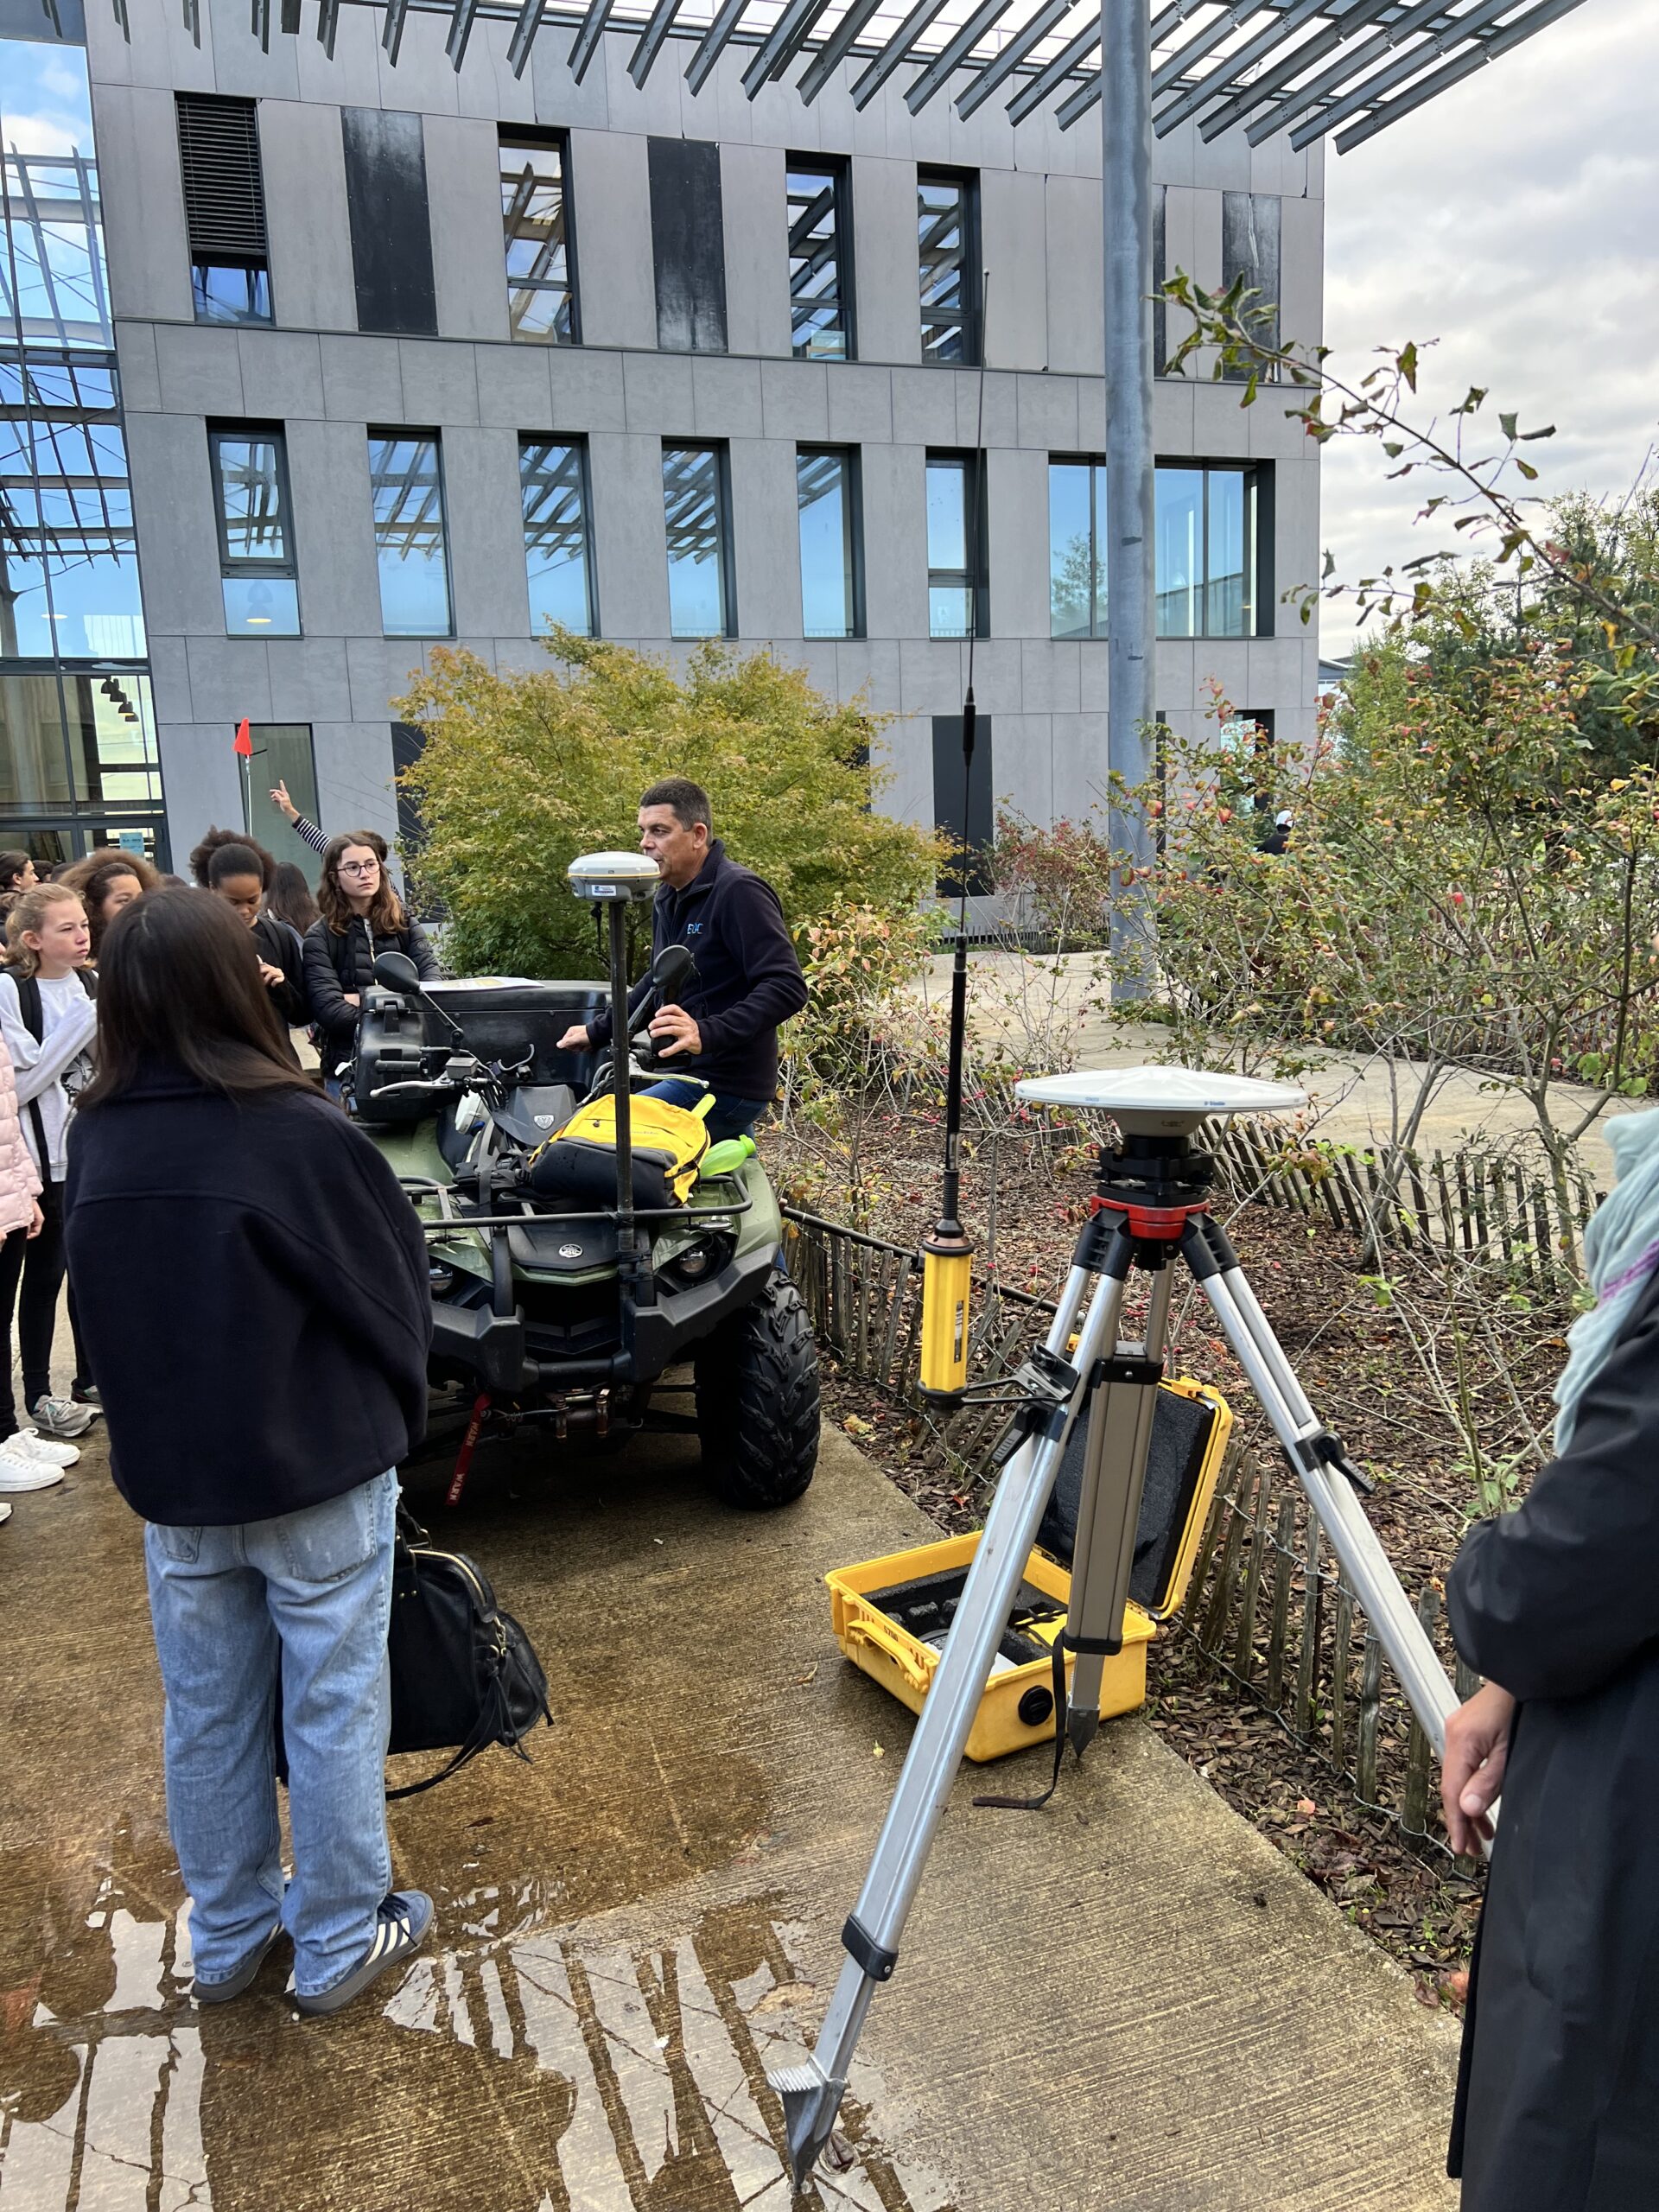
[[553, 477], [1206, 550], [536, 220], [820, 287], [832, 598], [406, 487], [79, 765], [699, 558]]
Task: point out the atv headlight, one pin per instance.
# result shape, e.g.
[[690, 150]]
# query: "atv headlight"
[[442, 1278], [700, 1260]]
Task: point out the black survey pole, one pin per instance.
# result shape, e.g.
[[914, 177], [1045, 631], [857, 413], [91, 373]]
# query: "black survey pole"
[[621, 1055]]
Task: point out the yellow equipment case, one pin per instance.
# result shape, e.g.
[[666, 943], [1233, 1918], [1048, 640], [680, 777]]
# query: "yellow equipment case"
[[892, 1615]]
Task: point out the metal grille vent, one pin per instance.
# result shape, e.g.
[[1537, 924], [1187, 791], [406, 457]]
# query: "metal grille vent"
[[224, 195]]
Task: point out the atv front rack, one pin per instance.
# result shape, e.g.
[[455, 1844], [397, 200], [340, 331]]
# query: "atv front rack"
[[451, 1218]]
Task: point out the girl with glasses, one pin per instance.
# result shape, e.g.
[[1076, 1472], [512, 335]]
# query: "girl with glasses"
[[362, 917]]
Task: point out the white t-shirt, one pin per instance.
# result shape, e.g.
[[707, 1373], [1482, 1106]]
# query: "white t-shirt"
[[53, 1072]]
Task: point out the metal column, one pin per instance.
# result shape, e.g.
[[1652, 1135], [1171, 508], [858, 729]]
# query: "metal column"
[[1126, 191]]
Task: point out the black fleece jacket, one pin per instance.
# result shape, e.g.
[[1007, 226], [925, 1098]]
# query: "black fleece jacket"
[[746, 981], [279, 1358], [336, 964]]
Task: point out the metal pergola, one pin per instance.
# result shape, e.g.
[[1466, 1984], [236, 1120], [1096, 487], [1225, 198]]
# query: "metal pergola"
[[1306, 68]]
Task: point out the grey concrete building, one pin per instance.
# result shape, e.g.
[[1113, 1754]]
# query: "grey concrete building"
[[408, 356]]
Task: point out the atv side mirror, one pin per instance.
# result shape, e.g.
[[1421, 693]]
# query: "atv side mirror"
[[396, 971], [671, 968]]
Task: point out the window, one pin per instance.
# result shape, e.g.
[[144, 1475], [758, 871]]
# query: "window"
[[832, 596], [406, 483], [256, 533], [553, 476], [967, 828], [283, 752], [68, 560], [956, 581], [535, 218], [1207, 552], [68, 741], [948, 244], [699, 558], [1250, 249], [224, 207], [688, 244], [386, 212], [820, 261], [1076, 549]]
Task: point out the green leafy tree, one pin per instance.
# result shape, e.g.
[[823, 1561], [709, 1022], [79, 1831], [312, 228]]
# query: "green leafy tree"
[[519, 773]]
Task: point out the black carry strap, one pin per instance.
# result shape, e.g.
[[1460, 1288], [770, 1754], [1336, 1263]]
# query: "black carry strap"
[[1036, 1804], [34, 1013]]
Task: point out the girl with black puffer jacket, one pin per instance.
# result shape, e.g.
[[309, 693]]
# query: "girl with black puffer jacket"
[[362, 917]]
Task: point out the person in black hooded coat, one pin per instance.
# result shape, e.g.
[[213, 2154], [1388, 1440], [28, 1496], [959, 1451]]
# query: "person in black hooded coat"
[[1557, 1604]]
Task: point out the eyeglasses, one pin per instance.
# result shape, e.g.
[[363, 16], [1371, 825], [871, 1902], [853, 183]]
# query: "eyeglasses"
[[358, 867]]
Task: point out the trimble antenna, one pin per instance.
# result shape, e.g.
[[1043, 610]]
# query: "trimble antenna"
[[948, 1253]]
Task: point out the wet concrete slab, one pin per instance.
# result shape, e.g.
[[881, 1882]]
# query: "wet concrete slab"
[[1128, 2001]]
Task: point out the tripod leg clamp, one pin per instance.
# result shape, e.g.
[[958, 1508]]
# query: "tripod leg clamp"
[[875, 1958]]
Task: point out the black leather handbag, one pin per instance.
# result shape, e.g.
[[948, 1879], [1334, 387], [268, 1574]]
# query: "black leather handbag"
[[464, 1674]]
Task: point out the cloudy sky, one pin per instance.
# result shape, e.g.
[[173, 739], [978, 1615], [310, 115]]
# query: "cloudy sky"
[[1516, 220]]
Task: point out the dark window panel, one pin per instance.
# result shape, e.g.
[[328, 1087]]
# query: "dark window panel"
[[392, 234], [1250, 249], [966, 827], [283, 752], [947, 250], [224, 207], [688, 244]]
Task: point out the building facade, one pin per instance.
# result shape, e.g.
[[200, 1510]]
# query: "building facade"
[[312, 364]]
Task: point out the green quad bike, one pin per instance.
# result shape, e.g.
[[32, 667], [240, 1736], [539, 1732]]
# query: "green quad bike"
[[570, 1313]]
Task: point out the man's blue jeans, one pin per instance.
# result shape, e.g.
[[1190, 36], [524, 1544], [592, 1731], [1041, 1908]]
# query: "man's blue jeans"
[[727, 1117], [310, 1594]]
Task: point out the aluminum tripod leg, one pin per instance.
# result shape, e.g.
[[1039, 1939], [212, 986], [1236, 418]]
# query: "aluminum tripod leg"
[[1330, 1492], [812, 2091], [1121, 1416]]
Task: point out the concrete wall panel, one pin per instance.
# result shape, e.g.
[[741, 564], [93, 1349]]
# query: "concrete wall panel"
[[612, 199], [334, 529], [173, 496], [766, 539], [1073, 270], [1017, 518], [887, 274], [1012, 217], [757, 262], [282, 373], [311, 280], [630, 545], [486, 538], [463, 178], [144, 235]]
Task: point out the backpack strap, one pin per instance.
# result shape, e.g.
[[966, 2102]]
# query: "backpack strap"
[[28, 1005]]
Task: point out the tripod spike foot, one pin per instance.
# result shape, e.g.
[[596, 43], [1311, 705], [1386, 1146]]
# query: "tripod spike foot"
[[810, 2101], [1081, 1729]]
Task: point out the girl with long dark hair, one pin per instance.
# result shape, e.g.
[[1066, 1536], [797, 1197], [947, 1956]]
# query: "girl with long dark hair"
[[256, 1414], [362, 917], [289, 898], [104, 882]]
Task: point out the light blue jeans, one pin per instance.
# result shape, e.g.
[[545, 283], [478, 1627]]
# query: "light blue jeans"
[[310, 1594]]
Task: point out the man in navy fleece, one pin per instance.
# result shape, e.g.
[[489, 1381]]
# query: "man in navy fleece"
[[746, 981]]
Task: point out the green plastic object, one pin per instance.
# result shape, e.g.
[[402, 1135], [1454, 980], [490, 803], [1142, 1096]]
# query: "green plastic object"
[[726, 1157]]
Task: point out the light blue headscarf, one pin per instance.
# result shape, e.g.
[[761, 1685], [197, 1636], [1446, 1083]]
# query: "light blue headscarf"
[[1621, 1249]]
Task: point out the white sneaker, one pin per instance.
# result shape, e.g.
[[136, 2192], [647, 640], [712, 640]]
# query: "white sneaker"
[[42, 1450], [61, 1417], [5, 1513], [17, 1472]]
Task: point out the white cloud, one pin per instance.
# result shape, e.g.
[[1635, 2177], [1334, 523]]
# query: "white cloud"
[[1516, 221]]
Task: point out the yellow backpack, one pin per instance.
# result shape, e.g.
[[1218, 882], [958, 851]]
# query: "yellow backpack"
[[668, 1141]]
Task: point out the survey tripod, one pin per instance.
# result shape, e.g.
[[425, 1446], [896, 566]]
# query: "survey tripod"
[[1150, 1213]]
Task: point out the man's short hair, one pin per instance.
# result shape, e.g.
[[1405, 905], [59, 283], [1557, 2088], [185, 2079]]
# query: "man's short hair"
[[689, 801]]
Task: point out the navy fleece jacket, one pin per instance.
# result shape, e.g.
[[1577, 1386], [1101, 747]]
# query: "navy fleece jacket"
[[746, 981]]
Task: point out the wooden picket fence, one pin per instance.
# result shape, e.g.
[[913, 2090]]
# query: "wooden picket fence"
[[1267, 1605], [1482, 1204]]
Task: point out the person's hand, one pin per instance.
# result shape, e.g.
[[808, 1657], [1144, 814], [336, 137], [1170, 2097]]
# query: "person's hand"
[[36, 1219], [674, 1033], [1472, 1772], [575, 1040], [352, 998], [269, 975], [281, 801]]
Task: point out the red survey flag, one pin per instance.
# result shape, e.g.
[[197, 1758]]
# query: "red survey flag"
[[244, 739]]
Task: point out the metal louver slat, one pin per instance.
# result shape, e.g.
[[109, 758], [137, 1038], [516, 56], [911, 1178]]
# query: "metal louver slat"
[[219, 157]]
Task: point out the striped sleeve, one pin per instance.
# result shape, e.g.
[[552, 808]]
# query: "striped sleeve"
[[312, 836]]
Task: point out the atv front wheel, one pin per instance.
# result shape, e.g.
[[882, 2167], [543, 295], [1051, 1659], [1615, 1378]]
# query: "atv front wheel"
[[757, 1380]]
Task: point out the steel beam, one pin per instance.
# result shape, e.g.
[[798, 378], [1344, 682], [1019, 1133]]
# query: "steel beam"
[[522, 44], [1330, 82], [1261, 88], [461, 29], [651, 40], [1002, 66], [1221, 78], [1367, 93], [835, 50], [895, 51], [712, 42], [1075, 51], [953, 53], [781, 43], [1125, 85], [392, 35], [1465, 64]]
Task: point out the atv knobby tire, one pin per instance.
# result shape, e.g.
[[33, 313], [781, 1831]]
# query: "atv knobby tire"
[[757, 1379]]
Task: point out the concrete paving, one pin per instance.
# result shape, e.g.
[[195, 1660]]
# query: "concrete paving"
[[1130, 2001], [1054, 1013]]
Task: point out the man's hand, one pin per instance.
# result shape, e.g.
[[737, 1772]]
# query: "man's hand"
[[674, 1033], [1472, 1773], [269, 975], [575, 1040], [281, 801], [351, 998]]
